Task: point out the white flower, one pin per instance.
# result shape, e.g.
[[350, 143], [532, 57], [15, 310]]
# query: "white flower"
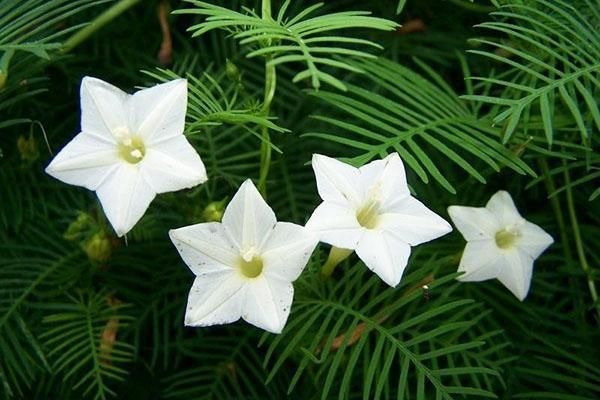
[[244, 266], [130, 148], [500, 243], [370, 210]]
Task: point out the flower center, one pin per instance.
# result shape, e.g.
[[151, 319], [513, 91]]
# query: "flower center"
[[252, 268], [131, 147], [505, 238], [368, 215]]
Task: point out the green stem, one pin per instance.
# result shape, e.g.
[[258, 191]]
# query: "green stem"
[[336, 256], [564, 237], [578, 242], [270, 86], [101, 20]]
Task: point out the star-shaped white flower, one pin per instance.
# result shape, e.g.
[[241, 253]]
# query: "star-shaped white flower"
[[370, 210], [244, 266], [500, 243], [130, 148]]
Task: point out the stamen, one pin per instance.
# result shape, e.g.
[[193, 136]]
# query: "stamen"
[[368, 215], [131, 147]]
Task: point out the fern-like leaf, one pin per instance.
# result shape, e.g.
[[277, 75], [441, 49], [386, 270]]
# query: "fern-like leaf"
[[553, 53], [302, 38]]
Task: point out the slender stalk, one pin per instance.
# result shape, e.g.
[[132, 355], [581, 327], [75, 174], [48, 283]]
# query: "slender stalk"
[[558, 214], [578, 242], [81, 35], [270, 86]]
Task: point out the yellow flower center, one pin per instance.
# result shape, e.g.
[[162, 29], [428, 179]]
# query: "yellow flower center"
[[368, 215], [132, 149], [505, 238], [252, 268]]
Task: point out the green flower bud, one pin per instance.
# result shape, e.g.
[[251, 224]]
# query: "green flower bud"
[[214, 211], [98, 247], [28, 148], [3, 77], [83, 223], [232, 71]]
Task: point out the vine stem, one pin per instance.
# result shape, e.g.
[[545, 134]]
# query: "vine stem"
[[578, 242], [270, 86], [81, 35], [556, 207]]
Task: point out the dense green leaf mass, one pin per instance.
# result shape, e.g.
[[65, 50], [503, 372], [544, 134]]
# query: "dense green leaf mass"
[[475, 96]]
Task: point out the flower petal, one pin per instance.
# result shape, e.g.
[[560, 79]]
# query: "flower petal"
[[481, 260], [287, 251], [84, 161], [125, 196], [336, 181], [205, 248], [474, 223], [412, 222], [516, 272], [103, 108], [336, 225], [387, 177], [158, 113], [248, 219], [503, 207], [534, 239], [215, 299], [384, 254], [172, 166], [267, 303]]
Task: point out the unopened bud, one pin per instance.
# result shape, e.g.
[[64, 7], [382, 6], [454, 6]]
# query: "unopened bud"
[[232, 71], [98, 247], [81, 225], [3, 77], [28, 148], [214, 211]]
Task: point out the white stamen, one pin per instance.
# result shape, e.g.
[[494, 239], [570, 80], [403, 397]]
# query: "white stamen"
[[248, 253], [136, 153]]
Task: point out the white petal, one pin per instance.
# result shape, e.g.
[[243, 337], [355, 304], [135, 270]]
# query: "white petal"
[[516, 272], [336, 181], [248, 219], [173, 165], [267, 303], [84, 161], [125, 196], [103, 108], [205, 248], [412, 222], [480, 261], [387, 177], [534, 240], [287, 251], [503, 207], [215, 299], [384, 255], [336, 225], [474, 223], [158, 113]]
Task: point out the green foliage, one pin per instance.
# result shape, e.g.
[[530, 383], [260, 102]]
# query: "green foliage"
[[552, 53], [280, 85], [395, 109], [80, 340], [356, 337], [297, 39]]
